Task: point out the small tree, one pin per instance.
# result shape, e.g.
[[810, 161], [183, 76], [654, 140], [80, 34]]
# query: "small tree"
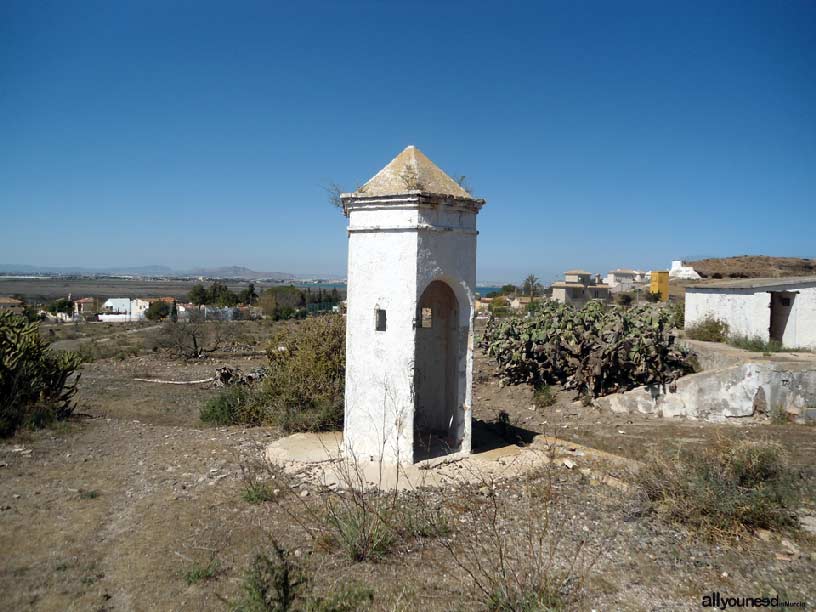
[[195, 337], [198, 295], [281, 302], [220, 295], [61, 305], [248, 295], [158, 310]]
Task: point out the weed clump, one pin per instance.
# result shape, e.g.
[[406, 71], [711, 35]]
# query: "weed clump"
[[276, 583], [755, 344], [709, 329], [199, 573], [231, 406], [543, 396], [257, 492], [727, 488]]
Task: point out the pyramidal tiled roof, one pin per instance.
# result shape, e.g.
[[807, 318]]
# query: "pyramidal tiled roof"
[[411, 170]]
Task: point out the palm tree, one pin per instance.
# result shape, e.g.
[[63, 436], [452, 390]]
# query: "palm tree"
[[531, 286]]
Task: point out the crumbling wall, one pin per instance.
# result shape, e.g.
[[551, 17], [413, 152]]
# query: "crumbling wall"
[[759, 389]]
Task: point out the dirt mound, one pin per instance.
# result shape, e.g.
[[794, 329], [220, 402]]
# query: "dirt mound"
[[754, 266]]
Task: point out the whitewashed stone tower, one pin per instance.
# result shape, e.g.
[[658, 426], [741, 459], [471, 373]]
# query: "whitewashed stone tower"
[[409, 339]]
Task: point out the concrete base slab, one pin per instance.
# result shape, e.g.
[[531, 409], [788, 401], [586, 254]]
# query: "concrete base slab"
[[317, 458]]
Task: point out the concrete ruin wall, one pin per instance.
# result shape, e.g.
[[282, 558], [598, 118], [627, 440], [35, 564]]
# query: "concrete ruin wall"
[[745, 390]]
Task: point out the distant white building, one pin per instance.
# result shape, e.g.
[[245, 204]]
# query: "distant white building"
[[678, 270], [123, 310], [579, 287], [624, 280], [780, 309], [117, 306]]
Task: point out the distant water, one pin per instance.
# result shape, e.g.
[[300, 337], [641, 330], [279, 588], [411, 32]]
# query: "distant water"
[[483, 291], [315, 286]]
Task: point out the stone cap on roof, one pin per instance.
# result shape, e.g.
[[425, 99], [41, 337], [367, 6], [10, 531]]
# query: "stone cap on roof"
[[411, 172], [577, 272]]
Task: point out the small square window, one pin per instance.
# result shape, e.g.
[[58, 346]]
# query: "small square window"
[[785, 301], [379, 319], [427, 318]]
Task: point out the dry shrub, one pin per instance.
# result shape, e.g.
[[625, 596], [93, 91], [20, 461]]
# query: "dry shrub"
[[726, 488], [519, 554], [364, 520]]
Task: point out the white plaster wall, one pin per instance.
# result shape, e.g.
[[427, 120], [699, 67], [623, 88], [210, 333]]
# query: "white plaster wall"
[[450, 256], [395, 251], [379, 365], [801, 329], [121, 318], [747, 311], [559, 294]]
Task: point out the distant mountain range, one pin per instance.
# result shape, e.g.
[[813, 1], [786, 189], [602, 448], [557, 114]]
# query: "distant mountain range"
[[164, 271]]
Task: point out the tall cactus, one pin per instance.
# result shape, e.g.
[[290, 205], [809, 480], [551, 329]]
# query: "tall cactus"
[[36, 384]]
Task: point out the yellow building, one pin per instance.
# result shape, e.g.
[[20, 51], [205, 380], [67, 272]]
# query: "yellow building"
[[660, 284]]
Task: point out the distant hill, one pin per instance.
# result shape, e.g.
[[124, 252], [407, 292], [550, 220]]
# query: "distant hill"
[[754, 266], [238, 272]]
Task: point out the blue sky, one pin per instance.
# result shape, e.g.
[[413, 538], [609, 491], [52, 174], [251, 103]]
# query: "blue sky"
[[602, 134]]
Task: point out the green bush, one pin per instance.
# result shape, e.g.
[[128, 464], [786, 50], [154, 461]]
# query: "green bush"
[[624, 299], [727, 488], [709, 329], [304, 389], [34, 380]]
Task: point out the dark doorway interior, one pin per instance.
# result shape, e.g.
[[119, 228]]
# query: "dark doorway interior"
[[781, 306], [436, 356]]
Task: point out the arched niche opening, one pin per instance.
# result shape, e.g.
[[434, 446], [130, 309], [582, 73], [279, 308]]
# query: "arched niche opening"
[[438, 407]]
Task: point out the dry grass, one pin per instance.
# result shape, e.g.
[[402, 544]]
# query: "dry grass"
[[725, 489]]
